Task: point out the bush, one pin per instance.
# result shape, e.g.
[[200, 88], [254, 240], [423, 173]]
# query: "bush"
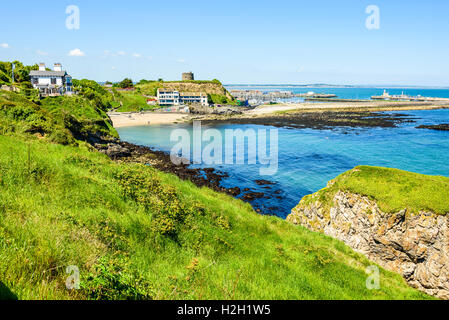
[[169, 211]]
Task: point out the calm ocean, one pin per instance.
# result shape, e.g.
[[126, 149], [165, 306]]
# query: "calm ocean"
[[309, 158], [350, 93]]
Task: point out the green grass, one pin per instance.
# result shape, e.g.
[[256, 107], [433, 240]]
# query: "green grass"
[[136, 233], [393, 190], [61, 119], [214, 89], [132, 102]]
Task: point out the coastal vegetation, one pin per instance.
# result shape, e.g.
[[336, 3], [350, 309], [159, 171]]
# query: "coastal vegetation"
[[137, 233], [130, 101], [214, 89], [395, 218], [392, 189], [124, 84], [21, 73]]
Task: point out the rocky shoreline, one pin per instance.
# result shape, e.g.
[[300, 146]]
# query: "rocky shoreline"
[[211, 178], [320, 120], [438, 127], [414, 245]]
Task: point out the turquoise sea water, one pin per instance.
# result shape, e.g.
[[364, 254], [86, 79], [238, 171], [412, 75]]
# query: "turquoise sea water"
[[309, 158], [351, 93]]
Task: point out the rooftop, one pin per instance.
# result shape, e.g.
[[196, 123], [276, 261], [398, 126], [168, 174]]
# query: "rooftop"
[[48, 73]]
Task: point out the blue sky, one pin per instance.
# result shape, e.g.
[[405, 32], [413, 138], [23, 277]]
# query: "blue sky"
[[282, 41]]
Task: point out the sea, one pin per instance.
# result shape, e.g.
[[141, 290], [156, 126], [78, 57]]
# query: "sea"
[[309, 158], [362, 93]]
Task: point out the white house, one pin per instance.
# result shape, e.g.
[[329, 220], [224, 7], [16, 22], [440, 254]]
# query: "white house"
[[168, 97], [194, 98], [174, 98], [54, 83]]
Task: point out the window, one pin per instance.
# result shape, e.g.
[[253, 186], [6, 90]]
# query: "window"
[[53, 80]]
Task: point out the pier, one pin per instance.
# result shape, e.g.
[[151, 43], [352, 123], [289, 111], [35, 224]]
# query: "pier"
[[403, 97]]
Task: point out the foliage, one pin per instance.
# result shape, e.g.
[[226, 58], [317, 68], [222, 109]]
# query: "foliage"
[[94, 92], [61, 119], [393, 190], [125, 84], [21, 72], [131, 102]]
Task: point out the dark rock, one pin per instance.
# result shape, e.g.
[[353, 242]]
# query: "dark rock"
[[439, 127], [264, 182], [252, 196], [234, 191]]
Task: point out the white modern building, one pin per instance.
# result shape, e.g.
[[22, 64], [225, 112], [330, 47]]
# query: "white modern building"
[[51, 83], [175, 98]]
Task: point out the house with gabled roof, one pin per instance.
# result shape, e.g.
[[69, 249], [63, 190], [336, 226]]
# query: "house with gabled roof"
[[51, 82]]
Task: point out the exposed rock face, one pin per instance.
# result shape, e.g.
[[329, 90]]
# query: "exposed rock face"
[[206, 87], [416, 246]]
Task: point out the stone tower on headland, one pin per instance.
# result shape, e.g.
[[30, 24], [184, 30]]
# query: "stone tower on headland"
[[187, 76]]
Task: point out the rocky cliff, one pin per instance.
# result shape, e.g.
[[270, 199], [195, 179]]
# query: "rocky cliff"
[[213, 88], [204, 87], [416, 245]]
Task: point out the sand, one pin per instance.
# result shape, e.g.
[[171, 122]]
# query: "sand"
[[131, 119]]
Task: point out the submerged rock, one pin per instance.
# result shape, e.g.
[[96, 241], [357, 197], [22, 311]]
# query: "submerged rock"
[[264, 183], [439, 127], [252, 196]]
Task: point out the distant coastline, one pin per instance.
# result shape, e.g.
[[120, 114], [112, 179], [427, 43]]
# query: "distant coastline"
[[323, 85]]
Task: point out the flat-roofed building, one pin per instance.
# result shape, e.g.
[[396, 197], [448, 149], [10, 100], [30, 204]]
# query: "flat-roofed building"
[[175, 98], [168, 97], [194, 98]]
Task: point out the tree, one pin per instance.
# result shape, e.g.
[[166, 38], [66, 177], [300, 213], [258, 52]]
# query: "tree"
[[126, 83], [21, 72]]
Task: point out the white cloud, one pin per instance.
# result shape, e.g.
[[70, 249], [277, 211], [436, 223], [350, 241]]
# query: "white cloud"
[[150, 58], [301, 69], [76, 53], [137, 55], [181, 60], [114, 68], [121, 53], [5, 45], [42, 53]]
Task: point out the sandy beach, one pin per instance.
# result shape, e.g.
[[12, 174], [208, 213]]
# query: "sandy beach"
[[129, 119]]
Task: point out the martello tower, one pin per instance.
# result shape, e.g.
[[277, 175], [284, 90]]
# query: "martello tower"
[[188, 76]]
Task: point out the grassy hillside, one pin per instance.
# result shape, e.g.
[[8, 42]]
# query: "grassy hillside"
[[62, 120], [133, 101], [216, 91], [136, 233], [392, 189]]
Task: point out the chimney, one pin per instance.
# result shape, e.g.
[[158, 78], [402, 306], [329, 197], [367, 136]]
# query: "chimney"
[[58, 67], [41, 66]]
